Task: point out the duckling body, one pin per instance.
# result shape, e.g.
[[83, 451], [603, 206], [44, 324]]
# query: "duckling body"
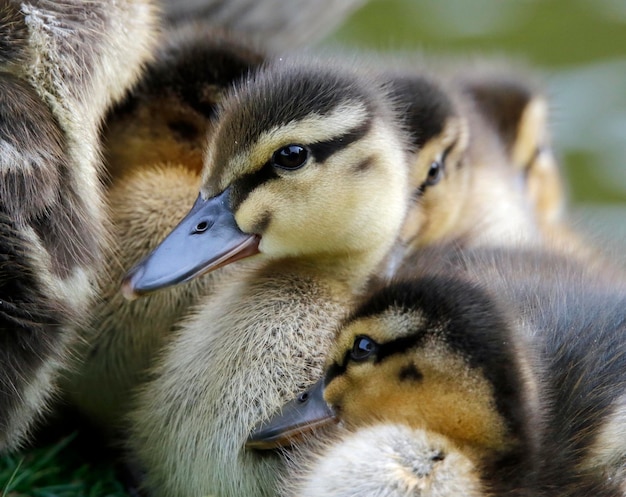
[[544, 356], [56, 82], [399, 462]]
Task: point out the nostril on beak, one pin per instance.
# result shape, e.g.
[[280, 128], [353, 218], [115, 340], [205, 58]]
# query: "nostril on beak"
[[202, 226]]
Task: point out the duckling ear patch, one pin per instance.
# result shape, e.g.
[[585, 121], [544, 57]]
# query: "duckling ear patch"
[[410, 373]]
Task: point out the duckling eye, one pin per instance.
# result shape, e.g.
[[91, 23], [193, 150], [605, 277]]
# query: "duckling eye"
[[290, 157], [362, 348], [435, 173]]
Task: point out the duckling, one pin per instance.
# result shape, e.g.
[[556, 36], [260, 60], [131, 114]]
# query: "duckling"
[[166, 117], [523, 376], [425, 354], [515, 106], [308, 166], [61, 66], [266, 166], [153, 143], [464, 153], [505, 161]]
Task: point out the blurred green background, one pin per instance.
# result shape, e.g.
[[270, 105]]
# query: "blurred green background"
[[579, 46]]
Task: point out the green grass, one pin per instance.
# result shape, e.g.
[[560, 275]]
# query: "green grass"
[[62, 469]]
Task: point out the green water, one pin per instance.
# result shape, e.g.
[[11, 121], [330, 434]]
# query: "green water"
[[578, 45]]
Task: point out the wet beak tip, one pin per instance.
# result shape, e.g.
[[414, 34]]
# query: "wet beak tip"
[[128, 292], [128, 288]]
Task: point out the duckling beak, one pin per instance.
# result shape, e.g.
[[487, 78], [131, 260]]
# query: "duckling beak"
[[300, 416], [206, 239]]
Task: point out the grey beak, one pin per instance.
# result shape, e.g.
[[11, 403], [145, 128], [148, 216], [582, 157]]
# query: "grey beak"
[[302, 415], [207, 238]]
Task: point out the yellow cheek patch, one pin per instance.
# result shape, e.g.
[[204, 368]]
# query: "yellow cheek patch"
[[531, 132], [531, 154], [458, 402]]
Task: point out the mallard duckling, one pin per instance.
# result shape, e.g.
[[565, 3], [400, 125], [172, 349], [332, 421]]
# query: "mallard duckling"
[[61, 66], [153, 144], [166, 117], [492, 149], [159, 129], [515, 106], [464, 152], [436, 355], [524, 376], [308, 166]]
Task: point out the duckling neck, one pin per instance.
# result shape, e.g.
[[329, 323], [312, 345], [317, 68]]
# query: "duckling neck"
[[351, 271]]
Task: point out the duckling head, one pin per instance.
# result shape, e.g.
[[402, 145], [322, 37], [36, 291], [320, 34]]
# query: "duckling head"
[[167, 115], [439, 175], [515, 107], [307, 161], [433, 354]]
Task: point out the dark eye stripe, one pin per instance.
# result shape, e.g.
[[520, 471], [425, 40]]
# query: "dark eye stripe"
[[335, 370], [384, 351], [242, 187], [447, 151], [397, 346], [419, 191], [323, 150]]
